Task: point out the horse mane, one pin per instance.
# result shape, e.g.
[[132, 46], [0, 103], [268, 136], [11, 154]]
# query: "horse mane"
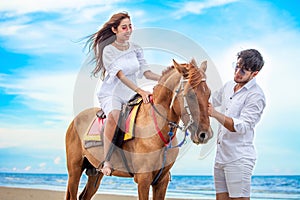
[[195, 76], [166, 73]]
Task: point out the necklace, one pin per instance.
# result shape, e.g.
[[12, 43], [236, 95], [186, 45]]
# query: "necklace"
[[125, 44]]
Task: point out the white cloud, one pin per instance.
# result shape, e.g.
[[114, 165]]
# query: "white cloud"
[[28, 6], [42, 165], [47, 34], [40, 138], [12, 30], [197, 7], [28, 168], [60, 35], [43, 91], [57, 160], [41, 36]]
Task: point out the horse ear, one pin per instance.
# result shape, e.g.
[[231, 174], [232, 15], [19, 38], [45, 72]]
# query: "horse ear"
[[193, 62], [178, 67], [203, 65]]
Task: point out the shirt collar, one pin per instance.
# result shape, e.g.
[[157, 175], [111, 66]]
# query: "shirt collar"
[[247, 86], [250, 84]]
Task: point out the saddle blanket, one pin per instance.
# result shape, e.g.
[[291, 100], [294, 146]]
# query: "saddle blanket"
[[94, 135]]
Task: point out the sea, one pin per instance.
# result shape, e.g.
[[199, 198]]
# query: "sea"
[[180, 186]]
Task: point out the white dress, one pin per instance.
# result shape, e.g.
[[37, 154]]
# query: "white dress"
[[132, 63]]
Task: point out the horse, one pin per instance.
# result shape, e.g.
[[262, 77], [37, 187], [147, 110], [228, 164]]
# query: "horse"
[[180, 94]]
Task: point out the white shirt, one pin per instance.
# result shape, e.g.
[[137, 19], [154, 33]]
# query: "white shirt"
[[245, 107], [132, 64]]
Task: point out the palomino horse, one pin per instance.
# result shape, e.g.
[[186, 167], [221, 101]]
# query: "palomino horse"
[[181, 94]]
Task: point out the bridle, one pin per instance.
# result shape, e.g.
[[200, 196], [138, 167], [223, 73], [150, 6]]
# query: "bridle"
[[173, 125], [185, 102]]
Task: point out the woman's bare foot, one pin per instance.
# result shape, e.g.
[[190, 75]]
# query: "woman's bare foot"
[[106, 169]]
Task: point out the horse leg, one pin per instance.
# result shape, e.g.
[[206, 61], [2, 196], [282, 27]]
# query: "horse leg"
[[91, 187], [74, 162], [73, 183], [159, 190], [143, 191], [144, 182]]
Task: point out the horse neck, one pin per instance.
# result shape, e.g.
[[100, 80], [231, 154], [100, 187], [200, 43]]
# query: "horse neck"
[[163, 94]]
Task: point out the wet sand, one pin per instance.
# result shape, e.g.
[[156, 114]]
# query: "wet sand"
[[9, 193]]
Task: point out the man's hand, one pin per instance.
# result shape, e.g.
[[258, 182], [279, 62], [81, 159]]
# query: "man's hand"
[[211, 110]]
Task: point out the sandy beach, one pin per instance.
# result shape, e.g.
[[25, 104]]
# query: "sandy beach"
[[8, 193]]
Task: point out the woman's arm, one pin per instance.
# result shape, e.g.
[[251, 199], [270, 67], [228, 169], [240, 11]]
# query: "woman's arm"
[[134, 87], [152, 76]]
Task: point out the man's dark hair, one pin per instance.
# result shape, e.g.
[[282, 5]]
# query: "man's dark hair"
[[251, 59]]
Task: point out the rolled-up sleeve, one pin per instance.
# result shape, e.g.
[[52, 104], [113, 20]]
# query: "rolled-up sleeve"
[[250, 113]]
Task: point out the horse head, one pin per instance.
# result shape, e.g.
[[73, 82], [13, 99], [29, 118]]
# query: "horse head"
[[191, 100]]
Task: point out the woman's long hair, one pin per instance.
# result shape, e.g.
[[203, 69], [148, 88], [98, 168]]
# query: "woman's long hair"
[[102, 38]]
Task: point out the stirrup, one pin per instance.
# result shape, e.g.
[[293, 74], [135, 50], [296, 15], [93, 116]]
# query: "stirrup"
[[100, 114]]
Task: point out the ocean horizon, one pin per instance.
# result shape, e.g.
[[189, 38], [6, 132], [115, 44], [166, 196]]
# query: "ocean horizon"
[[279, 187]]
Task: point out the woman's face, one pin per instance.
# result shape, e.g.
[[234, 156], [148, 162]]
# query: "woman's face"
[[124, 30]]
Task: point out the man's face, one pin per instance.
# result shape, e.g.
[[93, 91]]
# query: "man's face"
[[242, 75]]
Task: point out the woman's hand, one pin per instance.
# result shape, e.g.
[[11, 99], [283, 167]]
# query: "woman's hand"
[[145, 94]]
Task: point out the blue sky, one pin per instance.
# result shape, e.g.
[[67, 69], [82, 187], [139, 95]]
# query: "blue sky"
[[40, 58]]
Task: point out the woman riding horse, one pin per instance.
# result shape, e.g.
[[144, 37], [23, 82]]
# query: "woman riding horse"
[[181, 94]]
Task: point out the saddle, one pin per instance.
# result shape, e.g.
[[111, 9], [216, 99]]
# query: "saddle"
[[125, 128]]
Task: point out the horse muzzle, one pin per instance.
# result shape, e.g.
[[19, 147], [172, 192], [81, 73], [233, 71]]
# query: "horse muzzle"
[[200, 135], [200, 138]]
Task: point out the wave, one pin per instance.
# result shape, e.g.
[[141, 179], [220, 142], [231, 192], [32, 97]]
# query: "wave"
[[192, 187]]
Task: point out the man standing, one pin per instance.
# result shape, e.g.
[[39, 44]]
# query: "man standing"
[[241, 103]]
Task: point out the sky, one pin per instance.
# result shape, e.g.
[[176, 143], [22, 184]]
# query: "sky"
[[42, 58]]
